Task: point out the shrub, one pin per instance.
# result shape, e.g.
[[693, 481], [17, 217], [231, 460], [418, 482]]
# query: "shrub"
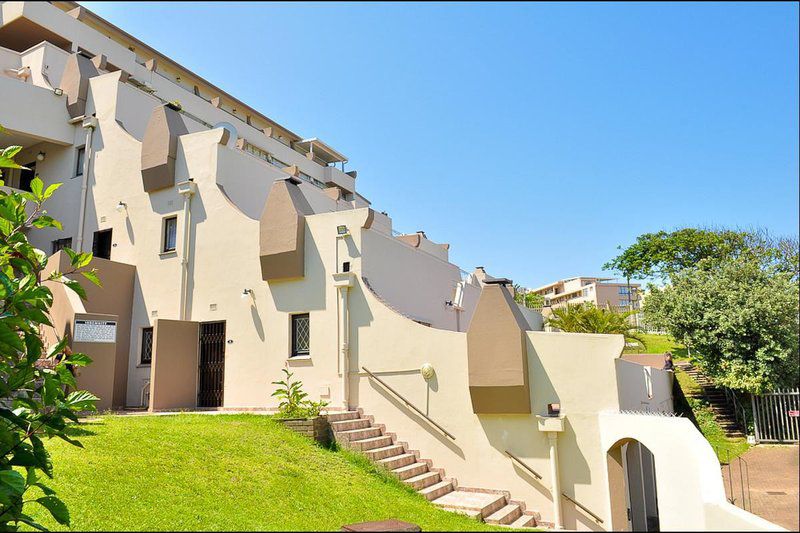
[[294, 401]]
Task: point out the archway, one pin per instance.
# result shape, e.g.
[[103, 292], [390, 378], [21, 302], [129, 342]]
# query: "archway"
[[632, 487]]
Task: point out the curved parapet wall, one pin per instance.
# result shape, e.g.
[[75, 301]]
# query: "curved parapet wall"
[[496, 354], [75, 83], [282, 231], [160, 148]]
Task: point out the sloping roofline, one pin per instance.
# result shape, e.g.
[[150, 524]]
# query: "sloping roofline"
[[85, 13]]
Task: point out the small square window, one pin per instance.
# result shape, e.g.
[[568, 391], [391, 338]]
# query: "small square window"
[[60, 244], [81, 155], [170, 233], [146, 356], [301, 335]]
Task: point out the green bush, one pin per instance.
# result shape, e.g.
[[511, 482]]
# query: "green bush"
[[294, 401]]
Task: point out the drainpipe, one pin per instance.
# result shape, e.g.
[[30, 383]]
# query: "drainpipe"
[[89, 124], [343, 281], [552, 437], [553, 424], [187, 189]]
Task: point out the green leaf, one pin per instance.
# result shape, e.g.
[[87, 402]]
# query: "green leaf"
[[43, 460], [81, 400], [75, 287], [25, 519], [91, 275], [13, 480], [78, 359], [37, 186], [56, 508], [51, 189]]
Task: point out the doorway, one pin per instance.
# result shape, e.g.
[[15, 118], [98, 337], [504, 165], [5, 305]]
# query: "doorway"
[[210, 391], [632, 479]]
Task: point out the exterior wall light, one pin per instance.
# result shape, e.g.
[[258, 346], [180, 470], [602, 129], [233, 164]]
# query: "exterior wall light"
[[427, 371], [121, 206], [58, 91], [342, 231], [247, 293], [40, 156]]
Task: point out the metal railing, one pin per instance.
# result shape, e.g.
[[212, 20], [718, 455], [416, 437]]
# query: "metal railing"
[[408, 404], [538, 477], [744, 500]]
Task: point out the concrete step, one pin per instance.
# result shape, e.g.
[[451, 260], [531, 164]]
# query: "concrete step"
[[377, 454], [421, 481], [505, 515], [471, 513], [524, 521], [357, 434], [397, 461], [437, 490], [371, 443], [345, 425], [486, 503], [343, 415], [414, 469]]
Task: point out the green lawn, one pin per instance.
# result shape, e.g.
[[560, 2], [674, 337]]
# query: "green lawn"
[[660, 344], [224, 472], [725, 447]]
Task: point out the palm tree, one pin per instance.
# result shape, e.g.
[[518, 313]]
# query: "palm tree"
[[586, 318]]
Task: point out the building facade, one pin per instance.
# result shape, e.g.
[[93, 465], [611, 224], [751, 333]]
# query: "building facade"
[[231, 248], [602, 292]]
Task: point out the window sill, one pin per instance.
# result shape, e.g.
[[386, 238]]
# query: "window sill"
[[299, 360], [165, 255], [143, 365], [299, 357]]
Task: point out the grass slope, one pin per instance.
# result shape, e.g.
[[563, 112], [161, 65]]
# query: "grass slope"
[[224, 472], [660, 344]]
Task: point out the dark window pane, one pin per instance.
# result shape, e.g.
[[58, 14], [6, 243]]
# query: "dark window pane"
[[26, 175], [60, 244], [101, 246], [301, 334], [147, 346], [79, 161], [170, 232]]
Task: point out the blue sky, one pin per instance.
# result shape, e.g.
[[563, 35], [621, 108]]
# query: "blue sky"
[[535, 138]]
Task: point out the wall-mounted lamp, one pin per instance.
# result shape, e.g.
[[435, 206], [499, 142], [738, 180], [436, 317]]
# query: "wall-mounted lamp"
[[247, 293], [427, 371], [553, 409], [58, 91], [40, 156], [121, 206], [342, 231]]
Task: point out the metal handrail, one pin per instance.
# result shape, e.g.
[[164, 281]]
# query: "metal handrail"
[[563, 494], [408, 404], [523, 465]]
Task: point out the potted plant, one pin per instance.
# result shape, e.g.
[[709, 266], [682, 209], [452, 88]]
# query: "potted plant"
[[297, 412]]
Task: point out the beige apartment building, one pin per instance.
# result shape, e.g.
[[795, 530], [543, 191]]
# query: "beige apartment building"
[[231, 248], [602, 292]]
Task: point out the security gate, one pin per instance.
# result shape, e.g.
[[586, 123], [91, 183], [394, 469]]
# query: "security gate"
[[776, 416], [212, 364]]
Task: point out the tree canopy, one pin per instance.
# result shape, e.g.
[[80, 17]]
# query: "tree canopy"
[[587, 318], [663, 253]]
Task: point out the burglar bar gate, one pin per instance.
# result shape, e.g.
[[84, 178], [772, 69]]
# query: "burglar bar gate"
[[776, 415], [212, 364]]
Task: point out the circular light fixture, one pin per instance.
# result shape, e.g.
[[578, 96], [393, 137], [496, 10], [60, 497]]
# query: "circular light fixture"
[[427, 371], [40, 156]]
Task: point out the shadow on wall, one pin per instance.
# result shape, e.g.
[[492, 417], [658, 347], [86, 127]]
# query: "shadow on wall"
[[198, 216], [307, 294], [360, 317], [421, 422], [503, 431]]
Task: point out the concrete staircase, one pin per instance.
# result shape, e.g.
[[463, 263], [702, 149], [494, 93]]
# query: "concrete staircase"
[[356, 431], [715, 397]]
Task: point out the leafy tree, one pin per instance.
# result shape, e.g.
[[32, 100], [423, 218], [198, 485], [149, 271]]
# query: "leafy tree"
[[37, 396], [741, 319], [664, 253], [587, 318], [527, 298]]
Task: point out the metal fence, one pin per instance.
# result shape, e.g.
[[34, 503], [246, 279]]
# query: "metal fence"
[[776, 416]]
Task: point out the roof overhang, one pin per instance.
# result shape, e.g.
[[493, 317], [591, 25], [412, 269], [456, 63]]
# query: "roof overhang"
[[321, 150]]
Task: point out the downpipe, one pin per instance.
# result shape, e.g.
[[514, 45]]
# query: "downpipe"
[[89, 124]]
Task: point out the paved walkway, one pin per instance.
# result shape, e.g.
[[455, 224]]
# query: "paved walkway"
[[774, 482]]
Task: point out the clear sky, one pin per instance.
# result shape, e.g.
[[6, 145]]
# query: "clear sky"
[[534, 138]]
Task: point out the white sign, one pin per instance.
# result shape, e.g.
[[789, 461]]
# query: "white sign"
[[95, 331]]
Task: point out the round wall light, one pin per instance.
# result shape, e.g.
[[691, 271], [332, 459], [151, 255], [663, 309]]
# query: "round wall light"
[[427, 371]]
